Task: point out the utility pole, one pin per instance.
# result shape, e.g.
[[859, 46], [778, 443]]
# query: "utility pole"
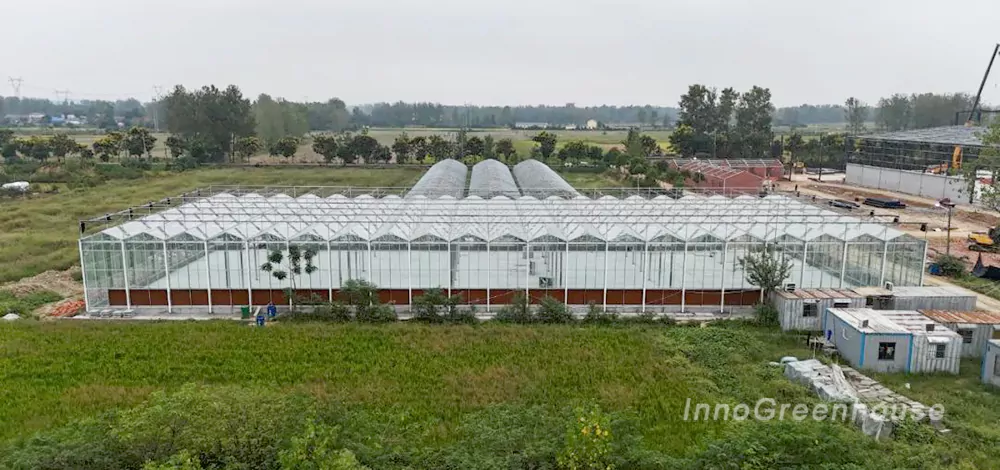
[[15, 83]]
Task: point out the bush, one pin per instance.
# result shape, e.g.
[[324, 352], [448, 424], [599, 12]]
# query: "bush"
[[462, 317], [182, 164], [333, 312], [553, 311], [518, 311], [376, 313], [648, 318], [595, 316], [588, 442], [24, 304], [765, 315], [951, 265], [433, 305], [137, 164]]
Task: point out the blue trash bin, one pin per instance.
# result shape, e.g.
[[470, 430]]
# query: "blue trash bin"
[[272, 311], [261, 319]]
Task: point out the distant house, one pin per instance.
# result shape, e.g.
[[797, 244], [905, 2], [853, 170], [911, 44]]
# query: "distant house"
[[592, 124], [531, 125], [35, 118], [571, 127]]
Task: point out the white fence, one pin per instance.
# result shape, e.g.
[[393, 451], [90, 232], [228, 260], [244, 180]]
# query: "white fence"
[[916, 183]]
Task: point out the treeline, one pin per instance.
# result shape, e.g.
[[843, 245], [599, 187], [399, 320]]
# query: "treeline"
[[402, 114], [892, 113]]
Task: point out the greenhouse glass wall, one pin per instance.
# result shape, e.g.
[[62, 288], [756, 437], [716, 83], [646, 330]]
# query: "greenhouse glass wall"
[[208, 250]]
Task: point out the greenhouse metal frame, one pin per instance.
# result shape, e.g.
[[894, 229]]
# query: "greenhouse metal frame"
[[622, 250]]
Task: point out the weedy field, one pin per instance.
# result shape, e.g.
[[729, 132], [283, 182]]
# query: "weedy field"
[[419, 396]]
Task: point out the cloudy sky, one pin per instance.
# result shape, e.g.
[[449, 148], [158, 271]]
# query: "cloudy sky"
[[507, 52]]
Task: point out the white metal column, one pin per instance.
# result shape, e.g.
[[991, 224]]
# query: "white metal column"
[[83, 275], [644, 269], [451, 275], [802, 272], [128, 291], [329, 259], [246, 246], [527, 271], [606, 252], [725, 255], [166, 272], [684, 261], [565, 281], [843, 261], [885, 254], [489, 272], [208, 271], [409, 272], [922, 261]]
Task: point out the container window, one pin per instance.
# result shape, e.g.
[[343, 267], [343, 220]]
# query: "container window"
[[886, 351], [810, 310], [966, 336], [841, 304], [996, 366], [939, 350]]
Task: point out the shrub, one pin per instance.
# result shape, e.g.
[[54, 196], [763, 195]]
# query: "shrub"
[[462, 317], [951, 265], [376, 313], [765, 315], [588, 442], [648, 318], [433, 305], [315, 449], [24, 304], [551, 310], [596, 316], [137, 164], [518, 311], [333, 312], [182, 164]]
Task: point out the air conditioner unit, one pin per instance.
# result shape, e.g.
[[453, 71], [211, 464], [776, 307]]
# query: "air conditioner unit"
[[888, 286], [930, 327], [790, 287], [864, 323]]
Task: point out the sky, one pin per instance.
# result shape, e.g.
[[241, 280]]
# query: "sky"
[[512, 52]]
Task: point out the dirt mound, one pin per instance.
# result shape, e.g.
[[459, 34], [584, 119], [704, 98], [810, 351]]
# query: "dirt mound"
[[60, 282]]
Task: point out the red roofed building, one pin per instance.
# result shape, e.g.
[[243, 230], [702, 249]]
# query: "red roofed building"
[[771, 169], [724, 180]]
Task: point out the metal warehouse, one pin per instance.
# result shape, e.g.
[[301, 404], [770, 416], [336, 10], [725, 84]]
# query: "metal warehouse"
[[892, 340], [897, 297], [991, 363], [483, 242], [801, 309], [975, 328]]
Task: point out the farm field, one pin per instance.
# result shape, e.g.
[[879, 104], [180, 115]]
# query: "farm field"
[[487, 396], [40, 233]]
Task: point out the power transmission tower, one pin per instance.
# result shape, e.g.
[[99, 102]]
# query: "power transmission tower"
[[64, 94], [158, 91], [15, 82]]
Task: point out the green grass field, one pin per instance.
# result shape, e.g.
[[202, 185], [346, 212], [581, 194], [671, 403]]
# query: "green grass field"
[[40, 233], [413, 396]]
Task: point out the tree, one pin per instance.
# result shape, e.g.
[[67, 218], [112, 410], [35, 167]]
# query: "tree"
[[279, 118], [575, 150], [765, 268], [700, 113], [216, 118], [546, 143], [285, 146], [753, 122], [439, 147], [855, 113], [36, 147], [360, 146], [138, 141], [489, 147], [62, 145], [247, 147], [894, 113], [474, 146], [642, 116], [176, 145], [988, 160], [506, 148], [6, 136], [326, 145], [403, 148], [654, 118], [298, 260]]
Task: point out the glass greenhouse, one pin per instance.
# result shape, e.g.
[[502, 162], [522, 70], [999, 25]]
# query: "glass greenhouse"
[[636, 253]]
